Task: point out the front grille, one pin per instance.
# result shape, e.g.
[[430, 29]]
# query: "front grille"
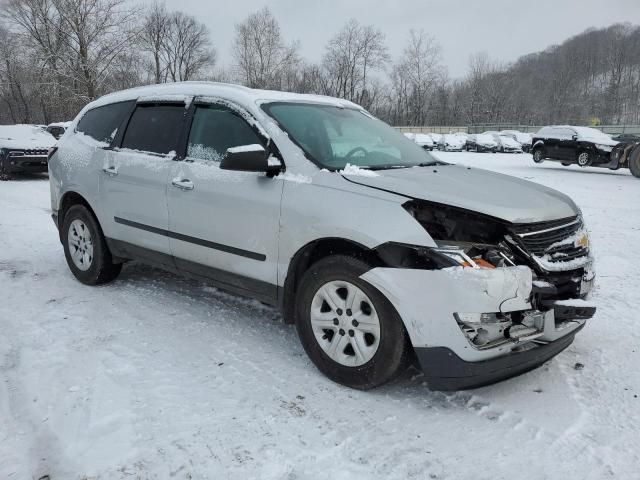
[[554, 241], [30, 152]]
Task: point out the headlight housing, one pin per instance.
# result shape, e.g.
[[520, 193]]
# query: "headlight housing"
[[604, 148], [465, 238]]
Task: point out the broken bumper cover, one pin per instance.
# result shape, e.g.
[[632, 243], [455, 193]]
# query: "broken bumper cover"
[[444, 370], [429, 300]]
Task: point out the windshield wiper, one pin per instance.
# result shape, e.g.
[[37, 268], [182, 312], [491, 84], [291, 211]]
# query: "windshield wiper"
[[385, 167], [433, 163]]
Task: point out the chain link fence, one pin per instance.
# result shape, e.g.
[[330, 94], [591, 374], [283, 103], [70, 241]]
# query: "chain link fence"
[[612, 130]]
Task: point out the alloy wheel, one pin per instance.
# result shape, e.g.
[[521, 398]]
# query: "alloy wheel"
[[80, 245], [345, 323], [583, 159]]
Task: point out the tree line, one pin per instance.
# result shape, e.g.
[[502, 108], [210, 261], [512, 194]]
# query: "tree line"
[[58, 55]]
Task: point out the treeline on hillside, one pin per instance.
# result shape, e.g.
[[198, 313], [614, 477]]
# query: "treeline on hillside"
[[57, 55]]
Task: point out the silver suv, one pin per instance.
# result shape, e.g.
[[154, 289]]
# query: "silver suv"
[[379, 253]]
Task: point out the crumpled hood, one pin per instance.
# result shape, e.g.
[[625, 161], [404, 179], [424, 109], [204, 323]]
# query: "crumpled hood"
[[501, 196]]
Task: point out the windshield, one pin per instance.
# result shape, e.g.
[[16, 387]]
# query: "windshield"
[[333, 137]]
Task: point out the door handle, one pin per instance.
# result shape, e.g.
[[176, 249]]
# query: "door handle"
[[111, 171], [182, 184]]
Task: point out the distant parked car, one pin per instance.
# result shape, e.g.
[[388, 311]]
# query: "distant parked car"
[[569, 144], [462, 136], [424, 140], [436, 137], [23, 148], [481, 142], [524, 139], [57, 129], [451, 143], [506, 144]]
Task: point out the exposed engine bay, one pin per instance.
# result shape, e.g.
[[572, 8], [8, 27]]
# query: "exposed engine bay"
[[556, 252]]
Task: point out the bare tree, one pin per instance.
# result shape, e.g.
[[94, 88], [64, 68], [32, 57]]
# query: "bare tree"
[[350, 56], [152, 36], [186, 48], [77, 39], [415, 77], [262, 56]]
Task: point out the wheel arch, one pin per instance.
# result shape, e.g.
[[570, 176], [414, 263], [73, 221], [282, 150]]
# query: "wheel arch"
[[310, 254], [68, 200]]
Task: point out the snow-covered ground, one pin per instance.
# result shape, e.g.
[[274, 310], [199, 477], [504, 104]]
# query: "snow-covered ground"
[[155, 376]]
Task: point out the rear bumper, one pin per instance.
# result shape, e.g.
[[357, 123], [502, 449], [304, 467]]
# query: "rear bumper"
[[444, 370]]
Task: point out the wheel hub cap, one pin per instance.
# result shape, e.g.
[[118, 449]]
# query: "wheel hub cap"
[[80, 245], [583, 158], [345, 323]]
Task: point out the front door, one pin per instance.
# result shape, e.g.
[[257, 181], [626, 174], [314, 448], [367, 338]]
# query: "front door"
[[224, 224], [135, 175]]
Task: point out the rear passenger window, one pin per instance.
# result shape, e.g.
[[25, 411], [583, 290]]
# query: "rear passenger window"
[[215, 129], [154, 128], [102, 123]]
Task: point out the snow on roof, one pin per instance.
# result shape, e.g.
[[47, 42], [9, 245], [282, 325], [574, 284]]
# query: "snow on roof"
[[246, 97], [25, 136], [594, 135], [60, 124]]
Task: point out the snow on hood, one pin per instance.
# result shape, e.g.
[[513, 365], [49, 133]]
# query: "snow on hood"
[[498, 195], [25, 136], [509, 142], [485, 139], [453, 140], [593, 135]]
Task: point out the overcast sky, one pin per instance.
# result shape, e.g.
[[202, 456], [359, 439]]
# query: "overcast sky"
[[505, 29]]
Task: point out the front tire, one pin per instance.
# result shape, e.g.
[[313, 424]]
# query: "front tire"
[[347, 327], [584, 159], [85, 248], [538, 155], [634, 162]]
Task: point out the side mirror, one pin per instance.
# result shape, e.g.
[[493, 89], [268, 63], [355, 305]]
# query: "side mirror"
[[249, 158], [574, 137]]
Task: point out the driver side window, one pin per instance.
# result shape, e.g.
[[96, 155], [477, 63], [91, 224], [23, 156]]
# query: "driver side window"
[[214, 130]]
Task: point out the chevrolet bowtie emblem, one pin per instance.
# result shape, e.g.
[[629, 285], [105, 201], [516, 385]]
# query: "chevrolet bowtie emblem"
[[582, 241]]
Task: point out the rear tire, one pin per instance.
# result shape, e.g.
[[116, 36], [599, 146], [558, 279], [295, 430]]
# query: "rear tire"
[[369, 347], [634, 162], [85, 248]]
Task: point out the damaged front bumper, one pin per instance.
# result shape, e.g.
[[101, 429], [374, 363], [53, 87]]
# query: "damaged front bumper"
[[455, 349]]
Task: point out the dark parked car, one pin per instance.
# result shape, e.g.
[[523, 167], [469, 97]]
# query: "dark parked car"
[[585, 147], [23, 148]]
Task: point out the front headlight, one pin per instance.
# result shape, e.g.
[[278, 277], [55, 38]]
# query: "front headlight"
[[475, 255], [604, 148]]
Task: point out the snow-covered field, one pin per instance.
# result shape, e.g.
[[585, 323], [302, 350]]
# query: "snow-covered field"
[[155, 376]]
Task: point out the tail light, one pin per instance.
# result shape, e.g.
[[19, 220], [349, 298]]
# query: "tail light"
[[50, 152]]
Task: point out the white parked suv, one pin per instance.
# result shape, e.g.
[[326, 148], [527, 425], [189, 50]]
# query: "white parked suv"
[[379, 253]]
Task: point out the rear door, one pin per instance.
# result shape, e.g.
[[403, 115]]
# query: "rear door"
[[224, 224], [134, 179]]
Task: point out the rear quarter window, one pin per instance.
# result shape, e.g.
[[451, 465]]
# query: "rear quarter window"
[[102, 123]]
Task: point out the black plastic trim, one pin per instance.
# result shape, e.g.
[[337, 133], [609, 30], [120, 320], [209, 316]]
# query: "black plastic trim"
[[228, 281], [444, 370], [196, 241]]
